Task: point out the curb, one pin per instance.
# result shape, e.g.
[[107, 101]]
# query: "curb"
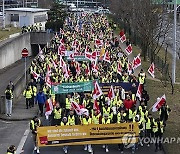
[[17, 119]]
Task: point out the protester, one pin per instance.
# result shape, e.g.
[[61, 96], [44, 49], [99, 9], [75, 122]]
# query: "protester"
[[34, 123], [103, 61], [9, 97], [11, 149], [41, 100], [28, 95]]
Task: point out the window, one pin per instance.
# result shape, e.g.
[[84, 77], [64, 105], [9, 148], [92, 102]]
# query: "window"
[[15, 17], [39, 18]]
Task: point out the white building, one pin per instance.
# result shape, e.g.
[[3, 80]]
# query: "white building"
[[26, 16]]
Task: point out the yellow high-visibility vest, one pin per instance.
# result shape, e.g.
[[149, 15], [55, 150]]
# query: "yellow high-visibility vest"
[[68, 103], [86, 121], [95, 119], [27, 93], [62, 124], [57, 113], [71, 120], [108, 121]]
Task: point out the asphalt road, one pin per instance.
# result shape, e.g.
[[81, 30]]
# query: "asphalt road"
[[11, 133], [28, 149]]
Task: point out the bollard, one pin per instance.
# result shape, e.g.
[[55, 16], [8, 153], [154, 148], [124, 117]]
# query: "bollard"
[[2, 105]]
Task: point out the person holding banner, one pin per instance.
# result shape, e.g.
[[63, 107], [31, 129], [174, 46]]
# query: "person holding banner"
[[34, 123], [106, 120], [86, 120], [72, 119], [68, 103], [57, 114], [65, 122]]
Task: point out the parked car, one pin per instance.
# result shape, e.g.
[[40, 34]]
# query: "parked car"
[[103, 11]]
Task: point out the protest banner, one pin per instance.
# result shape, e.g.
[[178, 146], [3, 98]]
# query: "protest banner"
[[77, 58], [72, 87], [87, 134]]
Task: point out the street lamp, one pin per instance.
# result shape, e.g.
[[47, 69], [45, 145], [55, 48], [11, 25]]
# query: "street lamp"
[[3, 16], [174, 44]]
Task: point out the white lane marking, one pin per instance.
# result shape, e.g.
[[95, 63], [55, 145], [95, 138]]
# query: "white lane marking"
[[22, 142]]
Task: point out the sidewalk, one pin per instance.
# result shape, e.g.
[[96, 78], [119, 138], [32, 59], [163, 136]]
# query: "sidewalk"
[[20, 112], [11, 73]]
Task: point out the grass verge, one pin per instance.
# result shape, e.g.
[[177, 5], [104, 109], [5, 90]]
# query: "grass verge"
[[156, 89], [10, 30]]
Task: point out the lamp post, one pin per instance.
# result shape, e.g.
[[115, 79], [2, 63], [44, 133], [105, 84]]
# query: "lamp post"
[[3, 16], [174, 44]]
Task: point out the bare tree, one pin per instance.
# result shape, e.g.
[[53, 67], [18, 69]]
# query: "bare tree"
[[146, 20]]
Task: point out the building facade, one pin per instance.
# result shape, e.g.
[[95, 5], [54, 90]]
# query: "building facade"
[[26, 16]]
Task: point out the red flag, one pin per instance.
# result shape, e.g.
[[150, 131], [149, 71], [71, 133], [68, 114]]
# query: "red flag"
[[86, 49], [94, 67], [61, 62], [48, 81], [137, 62], [94, 56], [61, 49], [35, 75], [66, 71], [79, 47], [96, 106], [41, 53], [151, 70], [121, 33], [78, 109], [74, 43], [61, 41], [159, 103], [56, 36], [106, 57], [40, 50], [129, 49], [87, 71], [88, 55], [48, 71], [123, 38], [130, 69], [119, 68], [49, 108], [78, 70], [88, 36], [97, 91], [139, 91], [111, 94], [61, 31], [71, 56], [98, 42]]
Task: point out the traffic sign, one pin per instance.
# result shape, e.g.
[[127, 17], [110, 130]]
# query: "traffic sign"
[[24, 52]]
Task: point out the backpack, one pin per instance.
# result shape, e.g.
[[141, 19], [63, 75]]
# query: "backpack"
[[8, 95]]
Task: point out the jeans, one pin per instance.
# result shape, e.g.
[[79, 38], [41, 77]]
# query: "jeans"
[[8, 106]]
